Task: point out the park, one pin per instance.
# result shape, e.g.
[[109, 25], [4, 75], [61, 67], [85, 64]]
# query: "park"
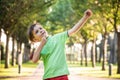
[[93, 53]]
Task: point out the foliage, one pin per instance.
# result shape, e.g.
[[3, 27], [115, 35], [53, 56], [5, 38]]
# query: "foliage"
[[57, 16], [60, 15]]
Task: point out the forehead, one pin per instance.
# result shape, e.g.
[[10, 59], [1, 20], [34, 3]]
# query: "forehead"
[[37, 26]]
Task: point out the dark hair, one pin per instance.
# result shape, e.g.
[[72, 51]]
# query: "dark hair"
[[30, 33]]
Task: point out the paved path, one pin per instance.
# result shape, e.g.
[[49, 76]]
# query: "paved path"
[[37, 75], [75, 75]]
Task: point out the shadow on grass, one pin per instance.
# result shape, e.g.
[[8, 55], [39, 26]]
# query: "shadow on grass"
[[19, 77], [6, 77]]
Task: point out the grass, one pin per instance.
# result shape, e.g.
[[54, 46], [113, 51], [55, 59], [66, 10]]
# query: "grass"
[[96, 71], [29, 67], [12, 72]]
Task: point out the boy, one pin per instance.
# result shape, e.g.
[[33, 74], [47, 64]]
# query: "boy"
[[52, 49]]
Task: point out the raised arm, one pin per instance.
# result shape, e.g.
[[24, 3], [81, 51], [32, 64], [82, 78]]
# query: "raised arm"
[[36, 54], [80, 23]]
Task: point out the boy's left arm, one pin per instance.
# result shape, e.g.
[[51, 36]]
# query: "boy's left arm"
[[80, 23], [36, 55]]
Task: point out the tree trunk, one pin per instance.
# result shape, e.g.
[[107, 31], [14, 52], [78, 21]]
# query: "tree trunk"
[[101, 51], [81, 61], [2, 52], [113, 48], [116, 20], [18, 49], [104, 52], [0, 46], [118, 54], [13, 52], [96, 53], [85, 52], [93, 54], [7, 55], [26, 53]]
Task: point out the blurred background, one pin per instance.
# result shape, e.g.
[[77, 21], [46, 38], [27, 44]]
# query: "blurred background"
[[96, 44]]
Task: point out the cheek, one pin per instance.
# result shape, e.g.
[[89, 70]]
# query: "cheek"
[[37, 36]]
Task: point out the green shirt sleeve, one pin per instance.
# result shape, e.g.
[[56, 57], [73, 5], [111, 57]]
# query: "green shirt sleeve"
[[52, 41], [63, 36]]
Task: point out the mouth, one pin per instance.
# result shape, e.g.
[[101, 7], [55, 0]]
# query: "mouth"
[[43, 33]]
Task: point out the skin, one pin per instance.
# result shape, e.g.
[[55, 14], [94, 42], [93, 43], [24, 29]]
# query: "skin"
[[80, 23], [40, 34]]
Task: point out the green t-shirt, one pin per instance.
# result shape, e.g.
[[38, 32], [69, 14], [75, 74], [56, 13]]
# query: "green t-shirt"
[[53, 55]]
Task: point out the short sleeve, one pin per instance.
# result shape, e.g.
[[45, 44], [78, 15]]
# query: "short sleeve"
[[54, 41], [63, 35]]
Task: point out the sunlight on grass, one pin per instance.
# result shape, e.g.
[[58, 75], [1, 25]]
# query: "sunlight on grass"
[[28, 68], [12, 72], [95, 72]]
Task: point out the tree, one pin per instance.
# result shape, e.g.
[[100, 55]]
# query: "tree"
[[115, 21], [102, 10], [110, 11], [112, 41], [60, 15], [10, 16]]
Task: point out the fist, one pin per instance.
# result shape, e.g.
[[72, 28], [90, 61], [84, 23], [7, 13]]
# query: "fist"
[[88, 12]]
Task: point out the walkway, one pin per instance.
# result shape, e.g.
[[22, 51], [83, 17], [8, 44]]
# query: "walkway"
[[74, 75], [37, 75]]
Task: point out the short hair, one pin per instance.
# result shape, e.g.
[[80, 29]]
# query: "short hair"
[[30, 32]]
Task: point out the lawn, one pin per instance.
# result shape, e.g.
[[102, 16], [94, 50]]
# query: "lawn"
[[12, 72], [28, 68], [96, 71]]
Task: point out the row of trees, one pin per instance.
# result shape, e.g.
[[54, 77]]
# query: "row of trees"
[[57, 16], [14, 20]]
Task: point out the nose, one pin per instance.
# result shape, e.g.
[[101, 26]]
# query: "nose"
[[41, 31]]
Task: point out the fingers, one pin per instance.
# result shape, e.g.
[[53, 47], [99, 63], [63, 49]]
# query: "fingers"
[[88, 13], [44, 40]]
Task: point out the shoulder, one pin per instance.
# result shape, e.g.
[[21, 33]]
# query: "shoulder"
[[62, 33], [61, 36]]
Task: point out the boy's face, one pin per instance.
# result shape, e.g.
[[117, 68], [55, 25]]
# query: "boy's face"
[[39, 32]]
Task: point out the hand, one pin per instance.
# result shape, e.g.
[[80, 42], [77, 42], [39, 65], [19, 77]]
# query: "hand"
[[44, 39], [88, 13]]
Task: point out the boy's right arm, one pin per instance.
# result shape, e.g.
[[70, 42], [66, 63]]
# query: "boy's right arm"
[[36, 54], [81, 22]]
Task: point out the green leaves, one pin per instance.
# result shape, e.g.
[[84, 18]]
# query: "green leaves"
[[60, 11]]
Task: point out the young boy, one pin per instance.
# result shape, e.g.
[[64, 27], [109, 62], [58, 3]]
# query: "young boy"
[[52, 49]]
